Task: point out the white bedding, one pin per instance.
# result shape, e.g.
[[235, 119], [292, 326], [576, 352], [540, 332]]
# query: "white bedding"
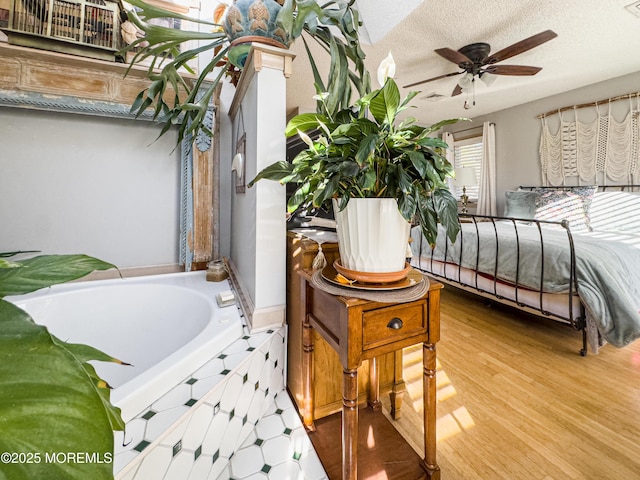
[[554, 303]]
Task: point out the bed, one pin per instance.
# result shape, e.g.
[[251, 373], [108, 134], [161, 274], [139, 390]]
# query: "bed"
[[571, 254]]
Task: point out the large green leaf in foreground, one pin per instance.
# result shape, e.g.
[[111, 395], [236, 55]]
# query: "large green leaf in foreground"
[[56, 421], [45, 270]]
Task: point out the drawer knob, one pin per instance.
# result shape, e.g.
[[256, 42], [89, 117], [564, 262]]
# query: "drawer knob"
[[395, 323]]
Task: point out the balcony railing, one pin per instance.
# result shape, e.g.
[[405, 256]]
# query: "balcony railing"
[[82, 27]]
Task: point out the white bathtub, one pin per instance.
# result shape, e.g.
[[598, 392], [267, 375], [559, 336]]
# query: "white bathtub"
[[166, 326]]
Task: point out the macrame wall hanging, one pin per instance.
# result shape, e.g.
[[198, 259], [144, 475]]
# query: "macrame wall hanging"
[[594, 153]]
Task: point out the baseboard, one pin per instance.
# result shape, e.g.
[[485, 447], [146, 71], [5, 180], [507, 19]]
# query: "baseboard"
[[258, 319]]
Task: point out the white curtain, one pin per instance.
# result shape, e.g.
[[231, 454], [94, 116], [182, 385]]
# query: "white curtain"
[[487, 194]]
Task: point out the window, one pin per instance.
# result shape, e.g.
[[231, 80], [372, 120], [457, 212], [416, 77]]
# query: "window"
[[467, 153]]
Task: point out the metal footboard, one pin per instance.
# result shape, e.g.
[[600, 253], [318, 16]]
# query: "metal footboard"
[[451, 273]]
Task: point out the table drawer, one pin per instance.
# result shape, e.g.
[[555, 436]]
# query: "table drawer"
[[387, 325]]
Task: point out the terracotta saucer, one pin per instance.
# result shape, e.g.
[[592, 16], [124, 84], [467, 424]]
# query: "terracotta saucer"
[[372, 277]]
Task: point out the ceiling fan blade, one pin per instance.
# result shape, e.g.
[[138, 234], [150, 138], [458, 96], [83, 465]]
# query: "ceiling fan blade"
[[521, 46], [454, 56], [456, 91], [432, 79], [511, 70]]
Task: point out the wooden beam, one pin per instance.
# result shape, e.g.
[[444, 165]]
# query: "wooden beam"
[[590, 104]]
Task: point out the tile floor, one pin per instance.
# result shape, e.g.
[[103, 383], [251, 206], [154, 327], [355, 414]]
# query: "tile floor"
[[242, 387], [277, 449], [235, 387]]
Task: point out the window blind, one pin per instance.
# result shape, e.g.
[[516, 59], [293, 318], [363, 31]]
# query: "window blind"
[[468, 154]]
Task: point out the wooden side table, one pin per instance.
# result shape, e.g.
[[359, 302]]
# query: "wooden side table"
[[301, 251], [360, 329]]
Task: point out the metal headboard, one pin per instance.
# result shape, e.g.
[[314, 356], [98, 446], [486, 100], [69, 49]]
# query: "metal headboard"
[[601, 188]]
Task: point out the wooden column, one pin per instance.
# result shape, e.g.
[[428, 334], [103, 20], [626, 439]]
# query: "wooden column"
[[430, 463], [374, 385], [398, 389], [308, 380], [429, 391], [258, 214]]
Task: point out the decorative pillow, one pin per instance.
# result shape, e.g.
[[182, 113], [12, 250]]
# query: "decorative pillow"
[[520, 204], [573, 205]]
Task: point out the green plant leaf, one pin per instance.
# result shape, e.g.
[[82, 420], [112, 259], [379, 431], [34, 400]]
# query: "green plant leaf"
[[298, 197], [366, 148], [150, 11], [384, 105], [8, 264], [49, 403], [338, 76], [317, 79], [404, 181], [286, 16], [419, 162], [407, 205], [349, 168], [437, 126], [276, 171], [304, 122], [368, 181], [405, 103], [428, 219], [446, 207], [46, 270], [433, 142], [327, 192]]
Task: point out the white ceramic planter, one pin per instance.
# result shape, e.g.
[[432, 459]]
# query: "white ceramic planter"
[[372, 235]]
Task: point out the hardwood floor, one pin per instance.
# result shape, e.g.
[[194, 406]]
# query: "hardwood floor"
[[517, 401]]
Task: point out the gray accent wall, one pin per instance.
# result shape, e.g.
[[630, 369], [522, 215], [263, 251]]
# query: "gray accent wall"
[[518, 129], [84, 184]]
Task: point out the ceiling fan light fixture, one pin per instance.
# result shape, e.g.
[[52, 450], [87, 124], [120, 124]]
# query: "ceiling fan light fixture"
[[488, 78], [466, 81]]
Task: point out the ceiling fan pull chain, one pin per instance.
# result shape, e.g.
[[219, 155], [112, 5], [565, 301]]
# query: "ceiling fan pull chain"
[[468, 105], [473, 90]]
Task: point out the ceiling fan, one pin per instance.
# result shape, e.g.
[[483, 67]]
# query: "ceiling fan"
[[475, 61]]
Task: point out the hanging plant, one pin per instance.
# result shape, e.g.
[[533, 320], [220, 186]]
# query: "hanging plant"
[[163, 50]]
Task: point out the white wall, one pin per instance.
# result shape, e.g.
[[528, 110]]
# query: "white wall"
[[227, 186], [78, 184], [258, 220], [518, 129]]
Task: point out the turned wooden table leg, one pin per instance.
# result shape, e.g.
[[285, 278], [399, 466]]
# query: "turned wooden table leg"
[[374, 384], [307, 375], [429, 390], [398, 388], [350, 424]]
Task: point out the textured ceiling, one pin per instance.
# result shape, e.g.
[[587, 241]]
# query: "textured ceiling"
[[597, 40]]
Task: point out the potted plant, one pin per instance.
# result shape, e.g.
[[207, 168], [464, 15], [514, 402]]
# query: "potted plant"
[[366, 152], [163, 50]]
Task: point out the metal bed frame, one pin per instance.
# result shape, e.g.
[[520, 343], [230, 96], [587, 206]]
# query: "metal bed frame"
[[452, 274], [577, 320]]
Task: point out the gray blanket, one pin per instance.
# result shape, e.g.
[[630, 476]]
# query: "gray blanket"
[[607, 267]]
